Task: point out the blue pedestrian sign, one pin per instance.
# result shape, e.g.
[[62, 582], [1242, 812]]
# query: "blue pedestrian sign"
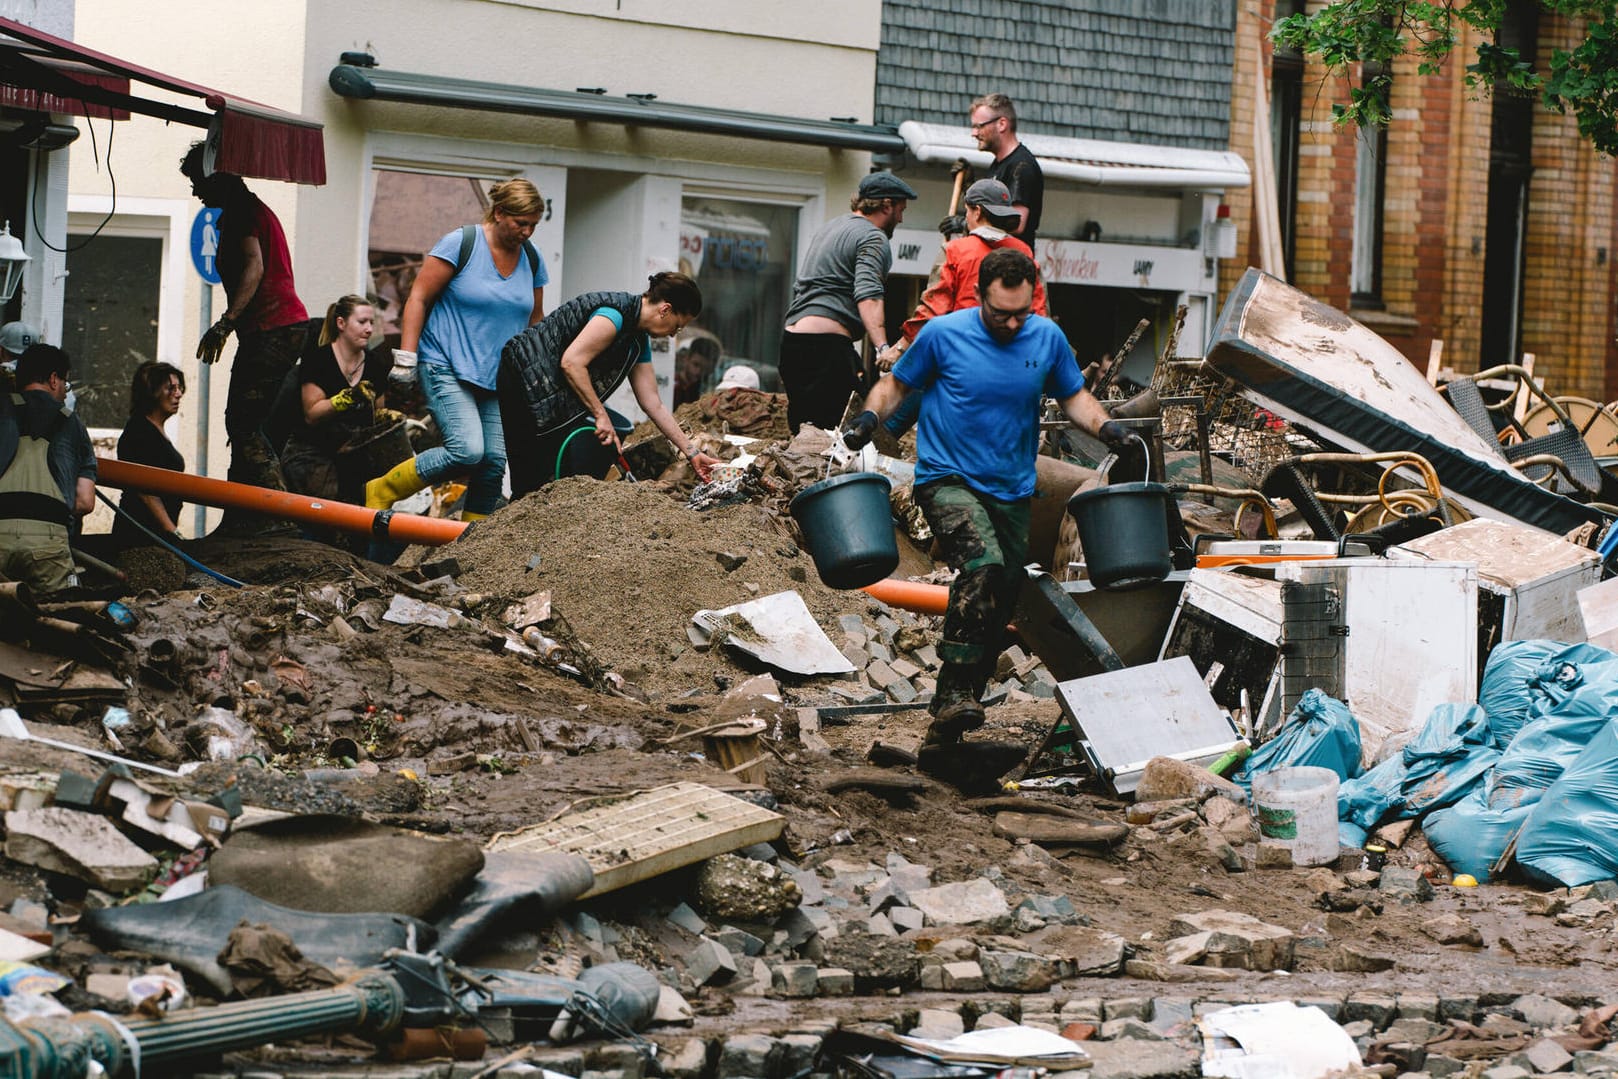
[[205, 244]]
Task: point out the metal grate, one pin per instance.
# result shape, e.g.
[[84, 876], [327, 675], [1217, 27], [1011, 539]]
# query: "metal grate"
[[650, 833], [1252, 440]]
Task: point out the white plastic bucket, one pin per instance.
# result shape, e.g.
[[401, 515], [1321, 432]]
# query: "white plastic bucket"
[[1298, 807]]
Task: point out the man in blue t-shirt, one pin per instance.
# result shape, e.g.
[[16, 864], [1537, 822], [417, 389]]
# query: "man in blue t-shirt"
[[985, 372]]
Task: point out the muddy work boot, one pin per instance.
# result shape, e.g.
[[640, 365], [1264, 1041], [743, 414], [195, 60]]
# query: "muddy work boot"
[[954, 706]]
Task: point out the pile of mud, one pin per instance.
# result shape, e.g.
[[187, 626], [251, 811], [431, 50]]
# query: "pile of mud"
[[628, 566]]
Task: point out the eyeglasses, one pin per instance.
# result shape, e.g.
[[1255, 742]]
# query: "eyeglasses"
[[996, 314], [986, 123], [174, 388]]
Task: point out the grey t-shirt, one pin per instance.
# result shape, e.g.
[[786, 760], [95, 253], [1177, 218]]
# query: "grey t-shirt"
[[847, 261]]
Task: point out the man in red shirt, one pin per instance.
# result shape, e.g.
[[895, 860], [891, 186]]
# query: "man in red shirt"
[[989, 214], [263, 311]]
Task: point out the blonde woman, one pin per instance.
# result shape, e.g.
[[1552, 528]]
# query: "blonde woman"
[[479, 287], [338, 386]]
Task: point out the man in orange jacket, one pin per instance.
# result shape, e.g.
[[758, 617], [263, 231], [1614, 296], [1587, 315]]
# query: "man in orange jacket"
[[989, 214]]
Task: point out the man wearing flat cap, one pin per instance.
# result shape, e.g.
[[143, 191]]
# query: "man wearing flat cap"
[[837, 299]]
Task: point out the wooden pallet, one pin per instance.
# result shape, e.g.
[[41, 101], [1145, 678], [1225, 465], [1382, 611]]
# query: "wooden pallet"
[[648, 834]]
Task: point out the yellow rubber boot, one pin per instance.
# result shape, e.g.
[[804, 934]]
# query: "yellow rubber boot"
[[468, 518], [382, 492]]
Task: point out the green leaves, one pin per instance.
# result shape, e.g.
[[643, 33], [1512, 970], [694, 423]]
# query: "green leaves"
[[1369, 35]]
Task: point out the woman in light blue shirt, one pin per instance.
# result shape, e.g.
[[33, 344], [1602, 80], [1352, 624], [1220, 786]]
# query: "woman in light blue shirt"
[[478, 288]]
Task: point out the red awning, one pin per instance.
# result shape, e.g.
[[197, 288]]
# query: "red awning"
[[44, 73]]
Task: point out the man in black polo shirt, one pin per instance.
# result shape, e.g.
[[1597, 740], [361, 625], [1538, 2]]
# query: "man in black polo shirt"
[[994, 125]]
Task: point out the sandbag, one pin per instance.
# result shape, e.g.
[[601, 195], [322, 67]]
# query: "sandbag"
[[1319, 733], [1571, 837], [1437, 768]]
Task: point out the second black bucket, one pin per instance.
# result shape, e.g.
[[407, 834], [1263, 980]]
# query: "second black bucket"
[[848, 528], [1124, 530]]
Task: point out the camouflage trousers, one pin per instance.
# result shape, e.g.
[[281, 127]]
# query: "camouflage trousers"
[[986, 541], [262, 361]]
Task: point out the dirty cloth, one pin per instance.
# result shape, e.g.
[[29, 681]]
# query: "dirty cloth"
[[263, 962], [338, 865]]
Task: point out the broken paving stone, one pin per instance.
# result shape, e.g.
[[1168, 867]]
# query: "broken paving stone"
[[1148, 970], [85, 846], [834, 981], [1084, 952], [1546, 1056], [1543, 1013], [1128, 1027], [962, 903], [744, 890], [906, 919], [1595, 1061], [738, 941], [710, 962], [1356, 957], [795, 979], [1238, 940], [672, 1008], [1405, 885], [1017, 972], [689, 1060], [881, 962], [1187, 950], [1507, 1071], [687, 919], [747, 1055], [963, 976], [1052, 831], [1452, 929], [1583, 912]]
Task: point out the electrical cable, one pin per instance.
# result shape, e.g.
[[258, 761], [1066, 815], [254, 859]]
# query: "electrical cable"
[[33, 201], [187, 559]]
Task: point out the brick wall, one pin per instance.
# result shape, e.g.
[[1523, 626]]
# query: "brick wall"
[[1435, 234]]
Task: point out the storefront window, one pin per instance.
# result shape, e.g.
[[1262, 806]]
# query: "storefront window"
[[743, 256]]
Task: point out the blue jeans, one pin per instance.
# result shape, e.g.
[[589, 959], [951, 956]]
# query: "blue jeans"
[[469, 419]]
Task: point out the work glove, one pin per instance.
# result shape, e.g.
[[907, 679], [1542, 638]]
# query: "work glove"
[[952, 226], [350, 397], [213, 342], [1117, 437], [402, 379], [857, 435], [388, 416]]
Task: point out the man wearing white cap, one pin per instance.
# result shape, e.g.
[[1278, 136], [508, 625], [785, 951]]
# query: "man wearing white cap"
[[837, 299], [15, 337]]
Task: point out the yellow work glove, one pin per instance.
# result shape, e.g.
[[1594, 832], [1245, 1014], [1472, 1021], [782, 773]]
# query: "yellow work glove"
[[352, 397]]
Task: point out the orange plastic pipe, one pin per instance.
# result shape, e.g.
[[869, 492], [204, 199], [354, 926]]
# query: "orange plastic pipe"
[[384, 524], [915, 596]]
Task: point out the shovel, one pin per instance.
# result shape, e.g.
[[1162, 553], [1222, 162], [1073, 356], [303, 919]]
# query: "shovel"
[[11, 726]]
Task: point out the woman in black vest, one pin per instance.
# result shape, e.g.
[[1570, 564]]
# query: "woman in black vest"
[[553, 378]]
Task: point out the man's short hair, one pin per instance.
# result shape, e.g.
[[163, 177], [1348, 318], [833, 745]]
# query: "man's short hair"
[[1000, 105], [39, 362], [1010, 268]]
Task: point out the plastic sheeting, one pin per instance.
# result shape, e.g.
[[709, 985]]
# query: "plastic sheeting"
[[1436, 768], [1566, 698], [1320, 733], [1571, 837]]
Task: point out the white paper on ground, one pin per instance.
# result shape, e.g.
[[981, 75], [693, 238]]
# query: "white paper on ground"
[[1274, 1041], [777, 630], [1001, 1043]]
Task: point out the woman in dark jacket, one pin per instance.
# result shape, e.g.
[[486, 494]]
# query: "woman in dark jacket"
[[154, 396], [553, 378]]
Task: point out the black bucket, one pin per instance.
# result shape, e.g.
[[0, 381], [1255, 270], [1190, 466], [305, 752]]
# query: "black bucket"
[[848, 528], [1124, 530]]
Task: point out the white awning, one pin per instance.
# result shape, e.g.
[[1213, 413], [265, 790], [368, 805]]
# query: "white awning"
[[1091, 162]]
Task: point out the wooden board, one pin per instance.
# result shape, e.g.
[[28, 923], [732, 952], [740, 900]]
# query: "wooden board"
[[648, 834]]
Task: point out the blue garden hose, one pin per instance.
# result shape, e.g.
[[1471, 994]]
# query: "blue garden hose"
[[187, 559]]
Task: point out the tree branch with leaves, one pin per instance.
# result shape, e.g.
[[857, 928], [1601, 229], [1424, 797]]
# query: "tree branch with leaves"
[[1374, 33]]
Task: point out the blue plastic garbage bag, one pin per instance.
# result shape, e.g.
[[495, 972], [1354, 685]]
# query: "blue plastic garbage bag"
[[1572, 833], [1472, 835], [1438, 767], [1320, 732], [1507, 691], [1528, 679]]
